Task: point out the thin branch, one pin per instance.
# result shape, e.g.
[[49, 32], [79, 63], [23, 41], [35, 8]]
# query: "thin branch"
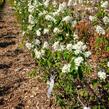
[[80, 101]]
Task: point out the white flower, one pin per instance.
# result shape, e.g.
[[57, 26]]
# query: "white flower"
[[62, 6], [74, 23], [69, 47], [66, 68], [87, 54], [80, 43], [28, 45], [92, 18], [102, 75], [86, 107], [49, 26], [106, 20], [67, 34], [105, 4], [36, 3], [46, 3], [46, 45], [75, 36], [70, 2], [50, 85], [78, 61], [100, 30], [108, 64], [55, 13], [77, 52], [37, 42], [79, 47], [67, 19], [56, 46], [38, 54], [15, 2], [42, 52], [46, 31], [84, 47], [42, 13], [54, 3], [50, 18], [30, 19], [38, 33], [23, 33], [30, 8], [30, 27], [62, 47], [56, 30]]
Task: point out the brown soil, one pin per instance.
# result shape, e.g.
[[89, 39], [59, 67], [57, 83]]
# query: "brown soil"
[[17, 90]]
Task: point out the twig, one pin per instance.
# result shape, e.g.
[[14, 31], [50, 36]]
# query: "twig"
[[80, 101]]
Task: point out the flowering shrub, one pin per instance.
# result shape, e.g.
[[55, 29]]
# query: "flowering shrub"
[[58, 37]]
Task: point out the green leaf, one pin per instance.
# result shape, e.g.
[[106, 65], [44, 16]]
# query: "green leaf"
[[80, 73], [94, 83], [107, 49]]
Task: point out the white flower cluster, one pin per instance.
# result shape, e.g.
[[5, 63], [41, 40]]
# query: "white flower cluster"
[[102, 75], [38, 32], [74, 23], [50, 18], [56, 30], [62, 7], [69, 47], [92, 18], [46, 3], [28, 45], [30, 7], [79, 47], [100, 30], [58, 47], [45, 45], [87, 54], [105, 4], [78, 61], [42, 13], [46, 31], [30, 27], [54, 3], [39, 54], [66, 68], [37, 42], [106, 20], [67, 19]]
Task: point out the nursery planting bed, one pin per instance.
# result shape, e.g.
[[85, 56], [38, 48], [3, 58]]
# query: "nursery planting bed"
[[21, 82]]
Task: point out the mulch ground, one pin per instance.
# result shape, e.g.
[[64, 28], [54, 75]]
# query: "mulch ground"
[[17, 90]]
